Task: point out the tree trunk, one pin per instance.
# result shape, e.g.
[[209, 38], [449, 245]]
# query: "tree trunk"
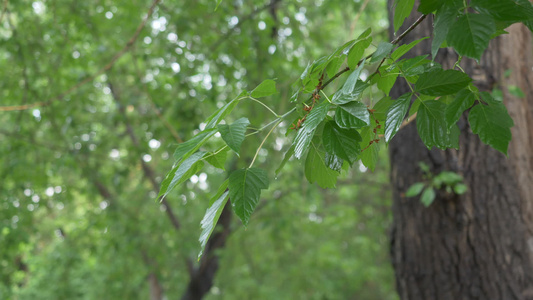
[[201, 277], [478, 245]]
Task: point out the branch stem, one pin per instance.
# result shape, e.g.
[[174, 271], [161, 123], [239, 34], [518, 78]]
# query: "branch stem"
[[265, 106], [394, 42], [261, 145]]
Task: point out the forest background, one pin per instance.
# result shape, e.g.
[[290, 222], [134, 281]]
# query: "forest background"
[[79, 215], [95, 98]]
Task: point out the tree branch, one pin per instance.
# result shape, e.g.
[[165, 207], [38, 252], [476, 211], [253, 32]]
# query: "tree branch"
[[148, 172], [394, 42], [152, 103], [413, 26]]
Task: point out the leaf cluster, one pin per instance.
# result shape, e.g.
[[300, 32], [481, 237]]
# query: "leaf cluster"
[[335, 129], [447, 180]]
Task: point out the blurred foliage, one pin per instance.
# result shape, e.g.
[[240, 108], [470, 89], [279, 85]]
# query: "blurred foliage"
[[79, 216]]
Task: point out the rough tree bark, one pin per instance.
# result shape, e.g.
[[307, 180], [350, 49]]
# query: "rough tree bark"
[[478, 245]]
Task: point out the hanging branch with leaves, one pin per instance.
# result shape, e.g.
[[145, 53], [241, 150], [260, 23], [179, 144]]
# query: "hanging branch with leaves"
[[333, 131]]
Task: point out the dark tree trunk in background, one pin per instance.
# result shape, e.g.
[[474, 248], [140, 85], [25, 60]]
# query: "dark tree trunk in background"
[[202, 276], [478, 245]]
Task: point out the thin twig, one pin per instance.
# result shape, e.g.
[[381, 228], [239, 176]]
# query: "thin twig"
[[408, 120], [102, 70], [261, 146], [404, 123], [394, 42], [413, 26], [337, 75], [357, 16], [265, 106]]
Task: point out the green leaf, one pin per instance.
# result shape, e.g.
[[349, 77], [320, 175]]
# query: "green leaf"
[[443, 20], [495, 96], [344, 143], [218, 160], [334, 65], [470, 34], [212, 214], [233, 134], [424, 167], [222, 112], [305, 73], [294, 96], [505, 10], [438, 82], [460, 188], [286, 158], [181, 173], [340, 50], [381, 108], [352, 115], [306, 132], [317, 171], [384, 48], [265, 88], [492, 123], [245, 187], [415, 189], [370, 152], [346, 120], [401, 12], [414, 107], [365, 34], [185, 149], [463, 101], [400, 51], [414, 66], [333, 162], [516, 91], [340, 98], [432, 127], [395, 115], [428, 6], [349, 85], [386, 82], [428, 196], [318, 65], [447, 178], [218, 3], [356, 52]]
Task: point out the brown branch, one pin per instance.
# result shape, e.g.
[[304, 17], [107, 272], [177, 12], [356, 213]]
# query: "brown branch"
[[154, 107], [357, 16], [394, 42], [408, 120], [102, 190], [202, 277], [102, 70], [148, 172], [404, 123], [413, 26]]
